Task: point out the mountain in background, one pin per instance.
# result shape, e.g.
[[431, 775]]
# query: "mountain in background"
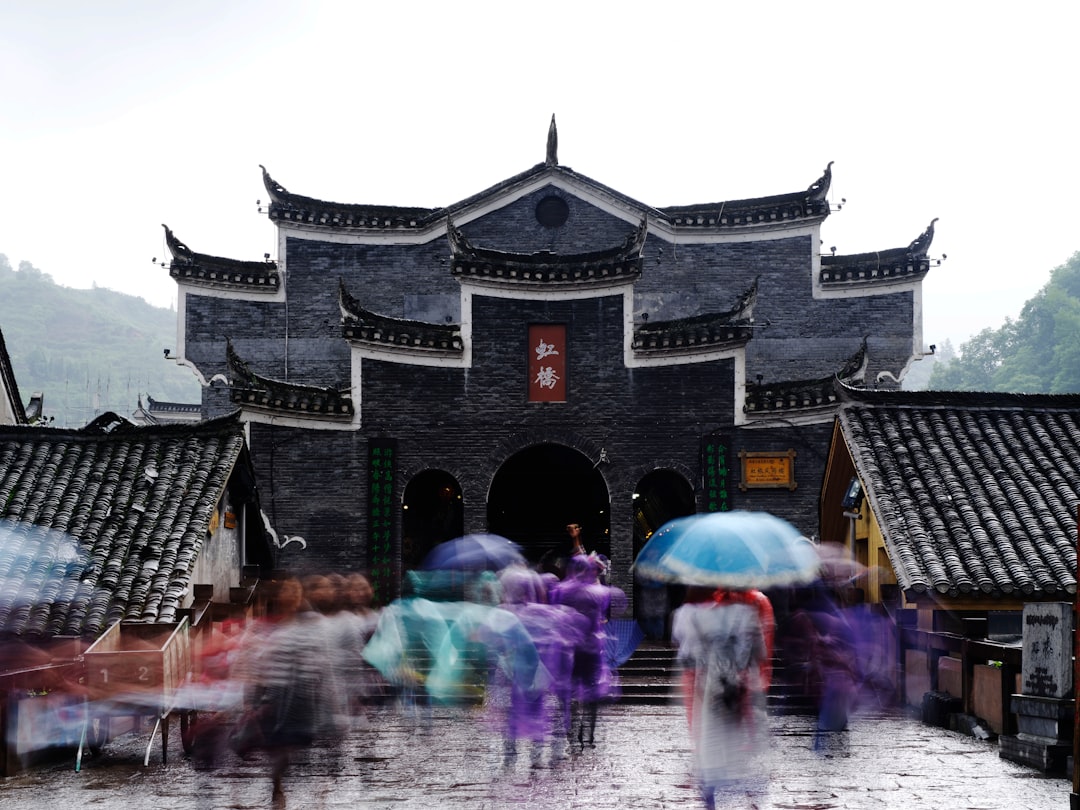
[[87, 351]]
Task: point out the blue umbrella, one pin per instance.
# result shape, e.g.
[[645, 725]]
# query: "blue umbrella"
[[738, 550], [648, 562], [473, 552]]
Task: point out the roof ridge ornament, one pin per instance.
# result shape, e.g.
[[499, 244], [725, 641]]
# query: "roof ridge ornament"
[[178, 249], [552, 158], [820, 187], [273, 187], [921, 244]]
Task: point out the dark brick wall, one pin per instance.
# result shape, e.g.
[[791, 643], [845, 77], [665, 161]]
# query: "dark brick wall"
[[312, 486], [469, 422], [801, 505]]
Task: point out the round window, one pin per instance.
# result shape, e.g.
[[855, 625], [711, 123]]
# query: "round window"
[[552, 212]]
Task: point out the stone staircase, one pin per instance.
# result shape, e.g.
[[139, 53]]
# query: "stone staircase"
[[651, 676]]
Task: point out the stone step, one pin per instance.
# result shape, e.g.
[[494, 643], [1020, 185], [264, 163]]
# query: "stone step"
[[652, 676]]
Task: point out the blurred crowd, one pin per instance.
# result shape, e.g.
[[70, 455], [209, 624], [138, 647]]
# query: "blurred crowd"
[[527, 651], [531, 653]]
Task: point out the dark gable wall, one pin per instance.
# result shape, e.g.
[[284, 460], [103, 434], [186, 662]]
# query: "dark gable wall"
[[514, 227]]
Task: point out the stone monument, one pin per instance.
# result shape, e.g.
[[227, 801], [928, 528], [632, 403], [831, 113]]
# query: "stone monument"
[[1044, 711]]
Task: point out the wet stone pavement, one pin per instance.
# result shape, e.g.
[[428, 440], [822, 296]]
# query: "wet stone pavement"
[[641, 760]]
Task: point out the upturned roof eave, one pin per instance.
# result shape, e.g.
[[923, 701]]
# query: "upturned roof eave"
[[812, 201]]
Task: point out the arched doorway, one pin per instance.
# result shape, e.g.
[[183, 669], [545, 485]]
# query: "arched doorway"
[[541, 489], [431, 512], [660, 496]]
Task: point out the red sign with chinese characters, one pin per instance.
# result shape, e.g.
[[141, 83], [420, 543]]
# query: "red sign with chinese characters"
[[547, 362]]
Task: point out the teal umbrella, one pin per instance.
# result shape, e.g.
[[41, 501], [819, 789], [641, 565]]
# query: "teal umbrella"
[[737, 550]]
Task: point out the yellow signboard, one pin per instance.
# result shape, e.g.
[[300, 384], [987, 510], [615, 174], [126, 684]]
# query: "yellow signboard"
[[767, 469]]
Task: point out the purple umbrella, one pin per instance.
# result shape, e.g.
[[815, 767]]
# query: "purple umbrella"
[[473, 552]]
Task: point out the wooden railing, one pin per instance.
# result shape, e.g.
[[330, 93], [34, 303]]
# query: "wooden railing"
[[971, 652]]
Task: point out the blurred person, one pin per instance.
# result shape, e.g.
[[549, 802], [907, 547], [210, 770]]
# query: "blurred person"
[[411, 632], [577, 546], [285, 665], [723, 639], [216, 694], [325, 594], [822, 645], [364, 682], [592, 678], [556, 631]]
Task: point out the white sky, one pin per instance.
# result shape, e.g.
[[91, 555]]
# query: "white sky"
[[119, 115]]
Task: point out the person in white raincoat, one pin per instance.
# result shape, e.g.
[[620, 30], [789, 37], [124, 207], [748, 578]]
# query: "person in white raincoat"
[[722, 646]]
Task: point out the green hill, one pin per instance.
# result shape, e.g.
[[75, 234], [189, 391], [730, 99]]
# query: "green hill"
[[87, 351]]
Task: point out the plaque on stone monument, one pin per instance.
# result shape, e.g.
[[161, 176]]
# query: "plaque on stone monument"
[[1048, 668]]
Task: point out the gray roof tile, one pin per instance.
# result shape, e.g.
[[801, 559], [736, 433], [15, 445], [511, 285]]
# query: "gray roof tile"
[[104, 523], [976, 494]]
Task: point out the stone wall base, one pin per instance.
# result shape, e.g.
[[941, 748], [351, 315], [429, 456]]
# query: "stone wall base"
[[1047, 756]]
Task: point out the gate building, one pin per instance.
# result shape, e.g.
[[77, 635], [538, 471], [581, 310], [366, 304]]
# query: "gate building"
[[548, 351]]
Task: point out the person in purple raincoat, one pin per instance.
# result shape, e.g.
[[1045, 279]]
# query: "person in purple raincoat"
[[556, 631], [592, 679]]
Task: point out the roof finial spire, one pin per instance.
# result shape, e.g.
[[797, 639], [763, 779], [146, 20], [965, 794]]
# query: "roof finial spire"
[[552, 144]]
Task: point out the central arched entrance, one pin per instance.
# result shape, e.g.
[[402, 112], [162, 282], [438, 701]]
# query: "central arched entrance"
[[541, 489]]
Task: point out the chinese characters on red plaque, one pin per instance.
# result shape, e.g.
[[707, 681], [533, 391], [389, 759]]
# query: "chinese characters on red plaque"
[[547, 362]]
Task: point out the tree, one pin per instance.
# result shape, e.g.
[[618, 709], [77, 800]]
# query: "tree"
[[1037, 353]]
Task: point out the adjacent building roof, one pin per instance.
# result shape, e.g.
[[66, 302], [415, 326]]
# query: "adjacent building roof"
[[976, 493], [798, 205], [363, 326], [11, 406], [288, 207], [700, 332], [162, 412], [617, 263], [105, 523]]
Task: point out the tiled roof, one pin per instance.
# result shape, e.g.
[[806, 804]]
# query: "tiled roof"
[[859, 269], [287, 207], [250, 390], [160, 412], [802, 395], [809, 204], [105, 523], [976, 493], [162, 406], [212, 271], [793, 207], [699, 332], [622, 261], [361, 325]]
